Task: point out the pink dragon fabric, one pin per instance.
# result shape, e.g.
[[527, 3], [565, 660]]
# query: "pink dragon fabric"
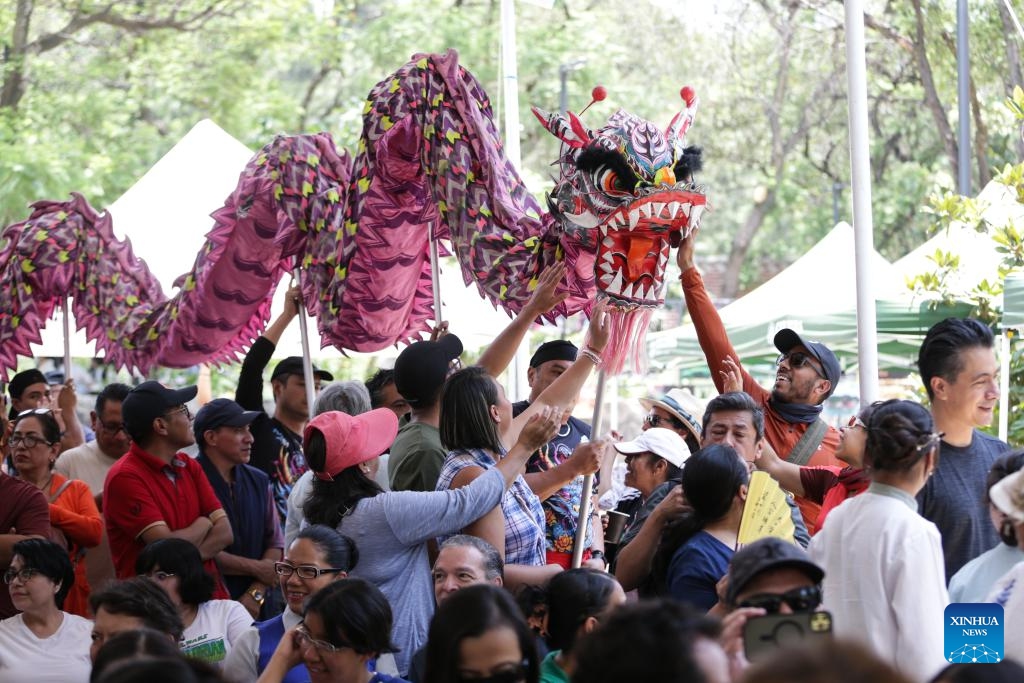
[[430, 161]]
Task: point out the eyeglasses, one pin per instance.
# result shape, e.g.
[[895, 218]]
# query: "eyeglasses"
[[798, 359], [23, 575], [305, 571], [514, 675], [803, 599], [658, 420], [30, 440], [304, 640], [183, 409], [112, 428], [160, 576], [856, 422]]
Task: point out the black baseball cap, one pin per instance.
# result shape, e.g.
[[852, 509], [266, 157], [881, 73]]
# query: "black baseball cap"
[[558, 349], [293, 365], [422, 367], [221, 412], [150, 400], [787, 339], [23, 380], [762, 555]]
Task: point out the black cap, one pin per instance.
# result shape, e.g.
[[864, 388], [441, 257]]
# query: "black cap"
[[422, 367], [221, 412], [786, 339], [150, 400], [762, 555], [23, 380], [293, 365], [559, 349]]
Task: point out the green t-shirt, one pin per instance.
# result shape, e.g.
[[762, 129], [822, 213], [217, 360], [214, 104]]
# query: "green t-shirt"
[[550, 672], [416, 458]]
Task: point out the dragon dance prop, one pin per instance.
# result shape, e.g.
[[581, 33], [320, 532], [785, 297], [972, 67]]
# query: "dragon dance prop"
[[429, 161]]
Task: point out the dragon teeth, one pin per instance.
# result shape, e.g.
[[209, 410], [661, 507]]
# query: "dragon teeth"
[[673, 209], [634, 218], [607, 255], [608, 242], [615, 286], [607, 268]]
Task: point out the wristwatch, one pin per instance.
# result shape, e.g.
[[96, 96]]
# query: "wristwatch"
[[598, 555], [258, 596]]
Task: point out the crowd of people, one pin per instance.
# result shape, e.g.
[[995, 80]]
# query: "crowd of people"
[[421, 527]]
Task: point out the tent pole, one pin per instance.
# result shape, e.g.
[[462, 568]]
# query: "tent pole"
[[856, 83], [583, 521], [307, 362], [1004, 384]]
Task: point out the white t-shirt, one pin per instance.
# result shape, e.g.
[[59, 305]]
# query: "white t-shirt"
[[61, 658], [86, 463], [217, 625], [1009, 592]]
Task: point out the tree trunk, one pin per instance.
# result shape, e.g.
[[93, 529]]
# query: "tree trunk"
[[741, 245], [1013, 75], [13, 87], [931, 94]]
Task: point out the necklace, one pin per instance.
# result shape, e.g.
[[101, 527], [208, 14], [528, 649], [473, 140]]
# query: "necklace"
[[567, 428]]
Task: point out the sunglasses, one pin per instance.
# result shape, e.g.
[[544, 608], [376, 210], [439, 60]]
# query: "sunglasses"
[[658, 420], [34, 411], [856, 422], [803, 599], [514, 675], [799, 359]]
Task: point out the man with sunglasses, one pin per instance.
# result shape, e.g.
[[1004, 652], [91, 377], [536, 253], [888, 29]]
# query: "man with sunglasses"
[[808, 372], [768, 576], [155, 491]]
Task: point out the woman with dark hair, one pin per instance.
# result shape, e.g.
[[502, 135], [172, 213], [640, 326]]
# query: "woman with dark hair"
[[824, 485], [129, 605], [695, 550], [42, 643], [1006, 671], [477, 427], [317, 557], [345, 626], [143, 643], [76, 521], [975, 580], [479, 633], [211, 626], [578, 601], [884, 570]]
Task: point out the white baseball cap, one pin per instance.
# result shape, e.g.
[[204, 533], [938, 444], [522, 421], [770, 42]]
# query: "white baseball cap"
[[664, 443]]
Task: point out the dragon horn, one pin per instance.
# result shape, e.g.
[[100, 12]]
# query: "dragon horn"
[[569, 131], [681, 122]]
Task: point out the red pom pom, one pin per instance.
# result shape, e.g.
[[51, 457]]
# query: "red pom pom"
[[688, 95], [599, 93]]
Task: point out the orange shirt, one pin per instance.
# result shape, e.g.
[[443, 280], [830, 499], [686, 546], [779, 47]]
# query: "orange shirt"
[[782, 435], [75, 513]]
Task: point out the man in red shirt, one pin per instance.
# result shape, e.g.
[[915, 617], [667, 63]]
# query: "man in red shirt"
[[156, 492], [807, 375]]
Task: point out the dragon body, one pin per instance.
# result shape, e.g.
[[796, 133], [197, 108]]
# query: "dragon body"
[[430, 163]]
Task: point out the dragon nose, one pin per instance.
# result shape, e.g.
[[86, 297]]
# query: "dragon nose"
[[665, 176]]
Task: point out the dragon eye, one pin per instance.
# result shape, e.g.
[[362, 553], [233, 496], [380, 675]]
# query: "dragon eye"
[[609, 182]]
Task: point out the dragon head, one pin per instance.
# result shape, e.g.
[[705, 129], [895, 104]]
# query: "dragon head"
[[627, 191]]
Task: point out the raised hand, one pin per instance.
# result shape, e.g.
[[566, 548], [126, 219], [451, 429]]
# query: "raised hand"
[[600, 327], [544, 297], [731, 374], [684, 254]]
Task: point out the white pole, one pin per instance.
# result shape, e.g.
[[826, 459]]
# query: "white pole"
[[583, 521], [307, 362], [435, 277], [1004, 384], [510, 90], [67, 340], [857, 97]]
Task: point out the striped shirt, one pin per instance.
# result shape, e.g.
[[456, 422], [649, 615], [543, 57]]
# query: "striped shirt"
[[524, 515]]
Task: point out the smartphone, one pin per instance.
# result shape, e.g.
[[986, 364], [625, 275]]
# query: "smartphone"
[[764, 635]]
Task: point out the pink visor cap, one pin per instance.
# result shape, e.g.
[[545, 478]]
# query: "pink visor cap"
[[352, 439]]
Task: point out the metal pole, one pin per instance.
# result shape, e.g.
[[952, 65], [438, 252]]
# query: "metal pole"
[[963, 76], [435, 276], [837, 191], [1004, 384], [583, 522], [307, 362], [67, 340], [856, 79]]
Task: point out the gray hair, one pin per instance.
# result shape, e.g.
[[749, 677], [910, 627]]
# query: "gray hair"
[[351, 398], [494, 566]]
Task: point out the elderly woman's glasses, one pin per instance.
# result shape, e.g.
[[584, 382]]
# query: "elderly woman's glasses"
[[30, 440], [305, 571], [23, 575]]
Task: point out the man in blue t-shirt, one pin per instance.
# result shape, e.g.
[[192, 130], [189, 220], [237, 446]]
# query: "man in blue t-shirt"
[[556, 471], [958, 367]]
